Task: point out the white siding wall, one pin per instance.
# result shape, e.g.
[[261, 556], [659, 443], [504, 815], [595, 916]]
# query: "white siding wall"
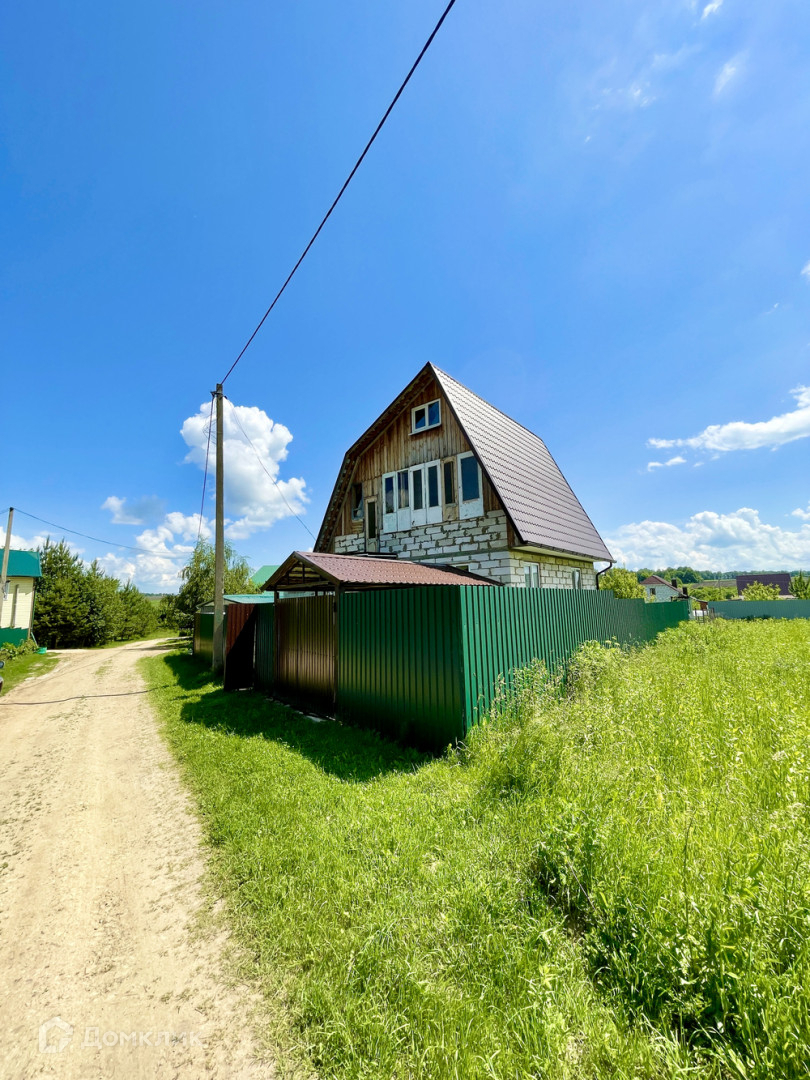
[[24, 588], [662, 592]]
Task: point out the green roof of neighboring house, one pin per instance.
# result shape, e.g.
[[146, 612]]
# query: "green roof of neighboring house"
[[24, 564], [264, 574]]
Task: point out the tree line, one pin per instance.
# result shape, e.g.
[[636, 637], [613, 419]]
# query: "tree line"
[[626, 584], [78, 606]]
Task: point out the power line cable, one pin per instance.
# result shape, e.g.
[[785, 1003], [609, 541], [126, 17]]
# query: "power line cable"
[[346, 183], [205, 474], [98, 540], [269, 474]]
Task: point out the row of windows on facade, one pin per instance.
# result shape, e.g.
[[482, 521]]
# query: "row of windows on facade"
[[417, 496]]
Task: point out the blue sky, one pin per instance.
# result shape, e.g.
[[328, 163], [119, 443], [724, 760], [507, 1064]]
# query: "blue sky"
[[595, 215]]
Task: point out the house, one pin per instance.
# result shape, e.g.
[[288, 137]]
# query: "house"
[[17, 600], [658, 590], [441, 476]]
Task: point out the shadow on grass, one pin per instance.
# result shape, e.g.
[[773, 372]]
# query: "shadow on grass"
[[348, 753]]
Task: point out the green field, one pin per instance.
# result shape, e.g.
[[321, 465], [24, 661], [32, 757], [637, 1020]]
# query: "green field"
[[610, 881]]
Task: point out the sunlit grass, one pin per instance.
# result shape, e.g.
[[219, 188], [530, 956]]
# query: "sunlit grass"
[[20, 668], [615, 882]]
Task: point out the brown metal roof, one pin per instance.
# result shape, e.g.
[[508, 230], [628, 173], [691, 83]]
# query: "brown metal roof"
[[535, 494], [654, 579], [308, 570]]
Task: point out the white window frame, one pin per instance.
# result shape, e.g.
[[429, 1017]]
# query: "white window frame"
[[531, 575], [389, 521], [418, 517], [433, 514], [403, 512], [470, 508], [428, 426]]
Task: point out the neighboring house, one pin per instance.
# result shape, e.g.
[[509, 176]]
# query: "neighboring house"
[[443, 477], [658, 590], [17, 601], [782, 580], [263, 574]]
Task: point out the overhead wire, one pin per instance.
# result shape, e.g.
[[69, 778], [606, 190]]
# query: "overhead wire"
[[266, 470], [98, 540], [205, 474], [346, 183]]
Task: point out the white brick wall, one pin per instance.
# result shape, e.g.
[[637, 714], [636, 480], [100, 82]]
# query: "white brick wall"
[[479, 544]]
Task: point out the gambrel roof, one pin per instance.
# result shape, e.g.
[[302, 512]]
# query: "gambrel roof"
[[537, 498]]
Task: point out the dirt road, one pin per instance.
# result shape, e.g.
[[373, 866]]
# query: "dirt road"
[[102, 973]]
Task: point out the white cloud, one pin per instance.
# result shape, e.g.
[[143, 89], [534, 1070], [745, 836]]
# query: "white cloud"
[[137, 513], [30, 543], [712, 8], [166, 549], [739, 540], [803, 514], [678, 460], [255, 497], [805, 271], [740, 435], [729, 71]]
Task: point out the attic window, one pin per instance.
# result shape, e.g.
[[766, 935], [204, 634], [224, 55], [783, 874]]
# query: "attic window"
[[424, 417]]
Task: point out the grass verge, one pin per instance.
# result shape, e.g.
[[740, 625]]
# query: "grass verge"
[[20, 668], [612, 883]]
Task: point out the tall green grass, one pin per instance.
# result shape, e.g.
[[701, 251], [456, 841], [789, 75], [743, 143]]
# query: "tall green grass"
[[610, 880]]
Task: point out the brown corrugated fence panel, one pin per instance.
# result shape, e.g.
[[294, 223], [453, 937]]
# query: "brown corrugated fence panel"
[[265, 646], [240, 637], [305, 631]]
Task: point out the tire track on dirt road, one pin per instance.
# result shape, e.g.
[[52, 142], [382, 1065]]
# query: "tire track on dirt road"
[[101, 865]]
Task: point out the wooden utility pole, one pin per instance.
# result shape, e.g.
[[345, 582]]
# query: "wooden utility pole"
[[4, 572], [218, 657]]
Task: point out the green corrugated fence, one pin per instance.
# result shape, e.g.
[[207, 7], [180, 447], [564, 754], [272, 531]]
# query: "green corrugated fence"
[[203, 643], [401, 662], [506, 629], [761, 609], [13, 636], [422, 664]]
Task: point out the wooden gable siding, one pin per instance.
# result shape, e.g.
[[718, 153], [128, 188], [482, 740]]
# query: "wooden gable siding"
[[396, 448]]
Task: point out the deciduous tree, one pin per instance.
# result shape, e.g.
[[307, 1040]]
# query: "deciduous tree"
[[623, 583]]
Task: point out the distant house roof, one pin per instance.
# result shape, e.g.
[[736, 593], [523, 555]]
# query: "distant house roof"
[[781, 580], [537, 498], [307, 570], [23, 564], [654, 579], [263, 574]]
